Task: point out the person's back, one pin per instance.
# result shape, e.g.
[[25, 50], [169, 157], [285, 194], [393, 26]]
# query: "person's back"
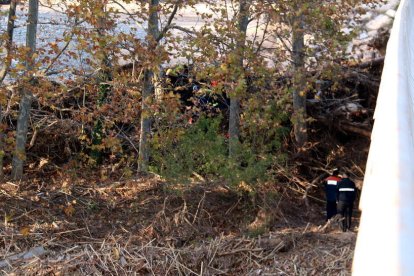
[[331, 187], [331, 194], [346, 190], [346, 193]]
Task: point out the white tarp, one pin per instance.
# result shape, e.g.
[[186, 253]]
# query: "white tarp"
[[385, 243]]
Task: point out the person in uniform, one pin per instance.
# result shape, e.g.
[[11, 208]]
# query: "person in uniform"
[[346, 194], [330, 191]]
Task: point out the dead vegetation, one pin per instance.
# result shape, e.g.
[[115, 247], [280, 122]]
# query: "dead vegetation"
[[71, 221], [267, 255], [67, 221], [141, 227]]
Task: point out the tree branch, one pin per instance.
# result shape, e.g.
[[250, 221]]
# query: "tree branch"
[[259, 47], [52, 62], [169, 22], [9, 40], [287, 47], [125, 9], [183, 29]]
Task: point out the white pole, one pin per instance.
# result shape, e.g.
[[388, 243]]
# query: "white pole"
[[385, 243]]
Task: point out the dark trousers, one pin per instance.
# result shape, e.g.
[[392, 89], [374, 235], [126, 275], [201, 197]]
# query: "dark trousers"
[[330, 209], [345, 209]]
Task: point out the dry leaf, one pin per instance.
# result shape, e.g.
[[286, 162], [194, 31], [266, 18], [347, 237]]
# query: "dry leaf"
[[69, 210], [43, 162], [115, 253], [25, 231], [245, 187]]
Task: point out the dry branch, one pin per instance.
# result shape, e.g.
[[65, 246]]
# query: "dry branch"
[[369, 64], [356, 128]]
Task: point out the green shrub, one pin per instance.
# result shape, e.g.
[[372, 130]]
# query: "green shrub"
[[178, 153], [202, 149]]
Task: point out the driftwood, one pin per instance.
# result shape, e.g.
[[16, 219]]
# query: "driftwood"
[[369, 64], [363, 79], [346, 126], [344, 114], [360, 129]]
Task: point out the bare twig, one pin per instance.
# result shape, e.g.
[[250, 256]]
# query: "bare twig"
[[169, 22]]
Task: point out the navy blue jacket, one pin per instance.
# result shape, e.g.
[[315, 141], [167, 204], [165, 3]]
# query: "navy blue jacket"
[[331, 188], [346, 190]]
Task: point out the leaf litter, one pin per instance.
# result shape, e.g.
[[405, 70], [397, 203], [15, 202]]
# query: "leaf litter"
[[141, 227]]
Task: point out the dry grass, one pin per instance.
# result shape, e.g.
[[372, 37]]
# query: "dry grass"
[[167, 237], [309, 253]]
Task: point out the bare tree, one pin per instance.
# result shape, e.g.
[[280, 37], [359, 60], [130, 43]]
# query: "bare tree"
[[234, 120], [154, 36], [9, 40], [19, 155], [148, 89], [299, 96], [1, 146], [104, 77], [4, 70]]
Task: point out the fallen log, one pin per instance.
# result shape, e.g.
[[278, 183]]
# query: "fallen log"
[[369, 64], [362, 129], [361, 78]]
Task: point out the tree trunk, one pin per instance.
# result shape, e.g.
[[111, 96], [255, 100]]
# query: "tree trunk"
[[19, 155], [299, 94], [3, 73], [147, 94], [148, 91], [1, 157], [97, 133], [105, 77], [9, 41], [234, 120], [1, 145]]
